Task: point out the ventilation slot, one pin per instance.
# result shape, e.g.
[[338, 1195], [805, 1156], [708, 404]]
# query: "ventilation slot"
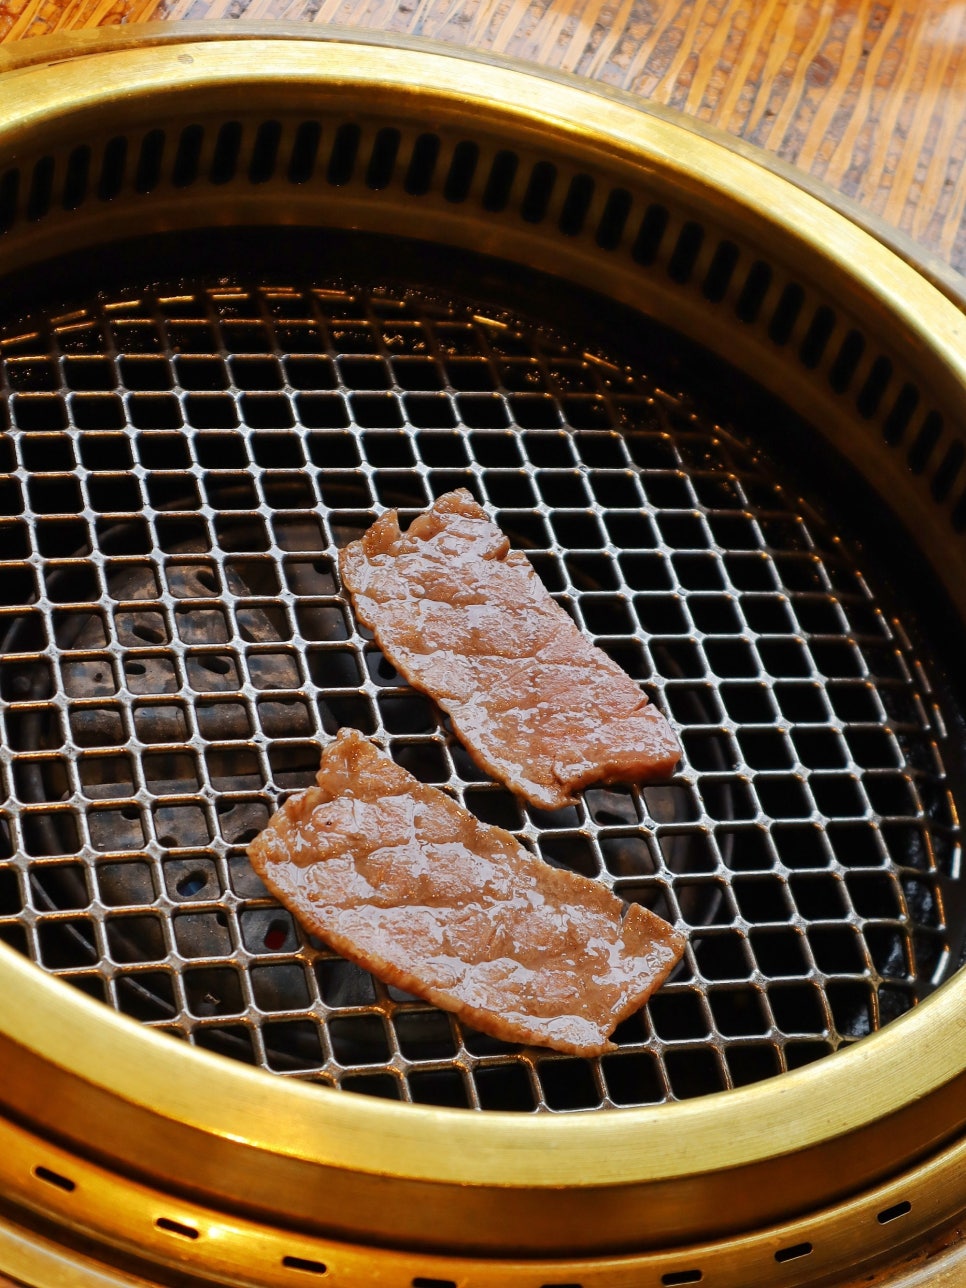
[[650, 235], [946, 475], [305, 1264], [574, 213], [264, 158], [462, 168], [224, 162], [9, 190], [720, 272], [113, 166], [342, 162], [422, 163], [925, 442], [686, 251], [753, 292], [61, 1182], [41, 188], [176, 1227], [382, 162], [873, 391], [77, 178], [536, 199], [610, 230], [793, 1253], [847, 361], [786, 314], [893, 1213], [187, 157], [305, 149], [147, 175], [499, 184], [677, 1278], [817, 337], [903, 409]]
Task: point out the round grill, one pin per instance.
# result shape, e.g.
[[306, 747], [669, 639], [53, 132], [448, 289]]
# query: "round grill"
[[180, 472]]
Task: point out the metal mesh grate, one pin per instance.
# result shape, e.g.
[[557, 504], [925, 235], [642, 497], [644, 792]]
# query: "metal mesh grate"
[[177, 476]]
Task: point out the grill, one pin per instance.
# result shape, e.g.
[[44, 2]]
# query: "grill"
[[716, 436], [182, 470]]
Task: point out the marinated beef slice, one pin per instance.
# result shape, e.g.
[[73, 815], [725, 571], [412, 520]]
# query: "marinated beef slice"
[[467, 620], [400, 878]]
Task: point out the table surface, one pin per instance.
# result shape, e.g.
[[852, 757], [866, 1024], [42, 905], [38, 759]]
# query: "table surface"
[[866, 96]]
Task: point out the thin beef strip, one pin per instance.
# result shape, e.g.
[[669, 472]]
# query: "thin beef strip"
[[400, 878]]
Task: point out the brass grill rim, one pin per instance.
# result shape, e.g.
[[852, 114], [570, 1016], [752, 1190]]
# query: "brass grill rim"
[[432, 1146]]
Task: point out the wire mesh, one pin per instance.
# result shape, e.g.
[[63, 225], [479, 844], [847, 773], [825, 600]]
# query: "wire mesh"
[[177, 475]]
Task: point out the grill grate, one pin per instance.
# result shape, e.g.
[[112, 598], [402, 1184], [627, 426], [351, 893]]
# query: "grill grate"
[[178, 474]]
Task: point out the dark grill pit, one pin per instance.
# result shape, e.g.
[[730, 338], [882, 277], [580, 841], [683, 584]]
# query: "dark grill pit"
[[179, 473]]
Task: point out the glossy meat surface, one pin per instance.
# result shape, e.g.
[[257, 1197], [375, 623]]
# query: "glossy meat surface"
[[398, 877], [467, 620]]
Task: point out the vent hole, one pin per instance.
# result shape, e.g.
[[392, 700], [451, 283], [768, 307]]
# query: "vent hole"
[[610, 230], [191, 884], [686, 251], [113, 166], [958, 517], [793, 1253], [41, 187], [676, 1277], [650, 235], [576, 204], [382, 162], [68, 1186], [224, 162], [77, 177], [720, 271], [264, 156], [186, 159], [422, 1282], [176, 1227], [275, 936], [753, 292], [305, 149], [304, 1263], [344, 150], [849, 356], [817, 337], [496, 194], [893, 1213], [461, 171], [925, 442], [536, 199], [897, 421], [876, 383], [9, 189], [422, 163], [147, 176], [948, 470], [786, 313]]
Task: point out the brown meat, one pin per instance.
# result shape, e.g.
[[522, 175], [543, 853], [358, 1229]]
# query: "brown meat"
[[467, 620], [400, 878]]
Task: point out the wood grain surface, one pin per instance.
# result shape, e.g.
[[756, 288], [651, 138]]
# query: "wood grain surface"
[[866, 95]]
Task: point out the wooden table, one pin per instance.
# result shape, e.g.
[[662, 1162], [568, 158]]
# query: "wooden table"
[[867, 96]]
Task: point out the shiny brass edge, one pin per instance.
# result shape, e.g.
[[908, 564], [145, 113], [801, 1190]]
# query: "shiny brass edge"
[[116, 1227]]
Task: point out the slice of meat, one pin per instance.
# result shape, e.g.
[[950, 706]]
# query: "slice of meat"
[[397, 876], [467, 620]]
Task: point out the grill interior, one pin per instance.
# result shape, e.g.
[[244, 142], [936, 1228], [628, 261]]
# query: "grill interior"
[[182, 463]]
